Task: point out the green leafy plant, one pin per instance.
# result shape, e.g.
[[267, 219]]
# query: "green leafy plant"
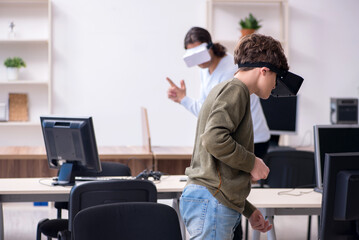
[[250, 23], [15, 62]]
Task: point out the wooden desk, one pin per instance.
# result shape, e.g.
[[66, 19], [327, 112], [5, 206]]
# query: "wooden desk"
[[16, 162], [171, 160], [267, 200], [174, 159], [31, 161]]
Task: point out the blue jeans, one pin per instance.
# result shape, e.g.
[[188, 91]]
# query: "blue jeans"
[[206, 218]]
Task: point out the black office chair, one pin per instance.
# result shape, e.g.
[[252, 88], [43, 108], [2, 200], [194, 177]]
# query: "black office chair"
[[50, 227], [127, 221], [290, 168], [95, 193]]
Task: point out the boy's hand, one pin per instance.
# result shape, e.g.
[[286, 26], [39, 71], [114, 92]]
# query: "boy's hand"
[[175, 93], [260, 170], [258, 223]]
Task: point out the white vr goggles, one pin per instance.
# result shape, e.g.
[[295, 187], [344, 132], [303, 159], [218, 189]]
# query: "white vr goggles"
[[197, 55]]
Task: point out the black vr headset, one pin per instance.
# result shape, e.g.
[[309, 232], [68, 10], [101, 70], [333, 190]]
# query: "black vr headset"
[[287, 83]]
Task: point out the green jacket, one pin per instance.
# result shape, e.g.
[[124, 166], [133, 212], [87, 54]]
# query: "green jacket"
[[223, 152]]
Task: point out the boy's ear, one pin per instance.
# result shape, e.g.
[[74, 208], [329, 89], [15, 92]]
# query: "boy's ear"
[[264, 70]]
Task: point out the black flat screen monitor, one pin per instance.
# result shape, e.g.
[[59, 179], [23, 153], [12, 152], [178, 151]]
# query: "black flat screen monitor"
[[281, 114], [340, 208], [70, 146], [333, 139]]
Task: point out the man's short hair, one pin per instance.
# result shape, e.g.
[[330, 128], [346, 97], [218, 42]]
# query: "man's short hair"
[[260, 48]]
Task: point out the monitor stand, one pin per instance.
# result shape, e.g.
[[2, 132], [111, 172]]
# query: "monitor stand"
[[66, 175]]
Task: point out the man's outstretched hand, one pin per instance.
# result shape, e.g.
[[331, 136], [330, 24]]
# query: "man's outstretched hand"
[[175, 93]]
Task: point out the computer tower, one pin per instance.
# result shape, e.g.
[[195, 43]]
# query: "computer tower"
[[344, 110]]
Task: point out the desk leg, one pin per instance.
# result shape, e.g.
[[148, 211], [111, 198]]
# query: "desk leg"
[[271, 234], [269, 215], [256, 235], [175, 205], [1, 223]]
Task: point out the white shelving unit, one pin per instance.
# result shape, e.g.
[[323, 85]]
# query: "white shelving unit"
[[223, 17], [32, 42]]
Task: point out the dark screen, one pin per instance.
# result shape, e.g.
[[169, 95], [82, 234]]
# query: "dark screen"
[[335, 139], [70, 140], [332, 228], [280, 113]]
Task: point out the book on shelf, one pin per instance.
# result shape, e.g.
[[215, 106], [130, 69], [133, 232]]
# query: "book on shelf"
[[18, 107]]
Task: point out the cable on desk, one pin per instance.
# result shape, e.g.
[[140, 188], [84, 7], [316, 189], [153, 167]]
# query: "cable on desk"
[[164, 176], [41, 181], [288, 192]]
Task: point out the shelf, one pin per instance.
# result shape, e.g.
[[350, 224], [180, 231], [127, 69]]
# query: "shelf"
[[249, 1], [20, 124], [233, 42], [32, 42], [23, 1], [221, 14], [18, 41], [23, 82]]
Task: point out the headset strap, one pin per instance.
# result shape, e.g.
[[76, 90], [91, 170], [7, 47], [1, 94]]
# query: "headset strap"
[[262, 64]]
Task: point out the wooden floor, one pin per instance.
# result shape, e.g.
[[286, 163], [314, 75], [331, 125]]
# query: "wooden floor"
[[20, 221]]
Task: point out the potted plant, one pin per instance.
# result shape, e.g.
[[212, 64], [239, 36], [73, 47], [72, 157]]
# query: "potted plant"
[[249, 25], [13, 65]]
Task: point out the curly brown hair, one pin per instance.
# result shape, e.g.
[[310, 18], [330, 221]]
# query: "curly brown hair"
[[255, 48]]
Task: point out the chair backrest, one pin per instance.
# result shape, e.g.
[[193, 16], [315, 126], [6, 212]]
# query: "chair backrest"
[[290, 169], [108, 169], [95, 193], [127, 221]]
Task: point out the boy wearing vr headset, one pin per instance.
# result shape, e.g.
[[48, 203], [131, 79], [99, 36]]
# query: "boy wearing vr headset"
[[216, 66], [223, 163]]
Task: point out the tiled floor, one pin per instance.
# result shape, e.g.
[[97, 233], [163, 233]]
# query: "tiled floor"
[[20, 221]]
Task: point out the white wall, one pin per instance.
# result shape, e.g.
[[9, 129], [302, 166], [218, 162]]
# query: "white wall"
[[324, 49], [110, 57]]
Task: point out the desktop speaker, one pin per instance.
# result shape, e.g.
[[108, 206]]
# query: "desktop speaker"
[[344, 110]]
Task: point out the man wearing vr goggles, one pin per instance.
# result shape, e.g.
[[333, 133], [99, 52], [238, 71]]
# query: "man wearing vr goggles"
[[215, 63], [223, 164]]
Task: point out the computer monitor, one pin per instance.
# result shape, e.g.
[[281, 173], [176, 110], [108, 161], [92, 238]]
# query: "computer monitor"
[[332, 139], [340, 208], [281, 114], [70, 146]]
